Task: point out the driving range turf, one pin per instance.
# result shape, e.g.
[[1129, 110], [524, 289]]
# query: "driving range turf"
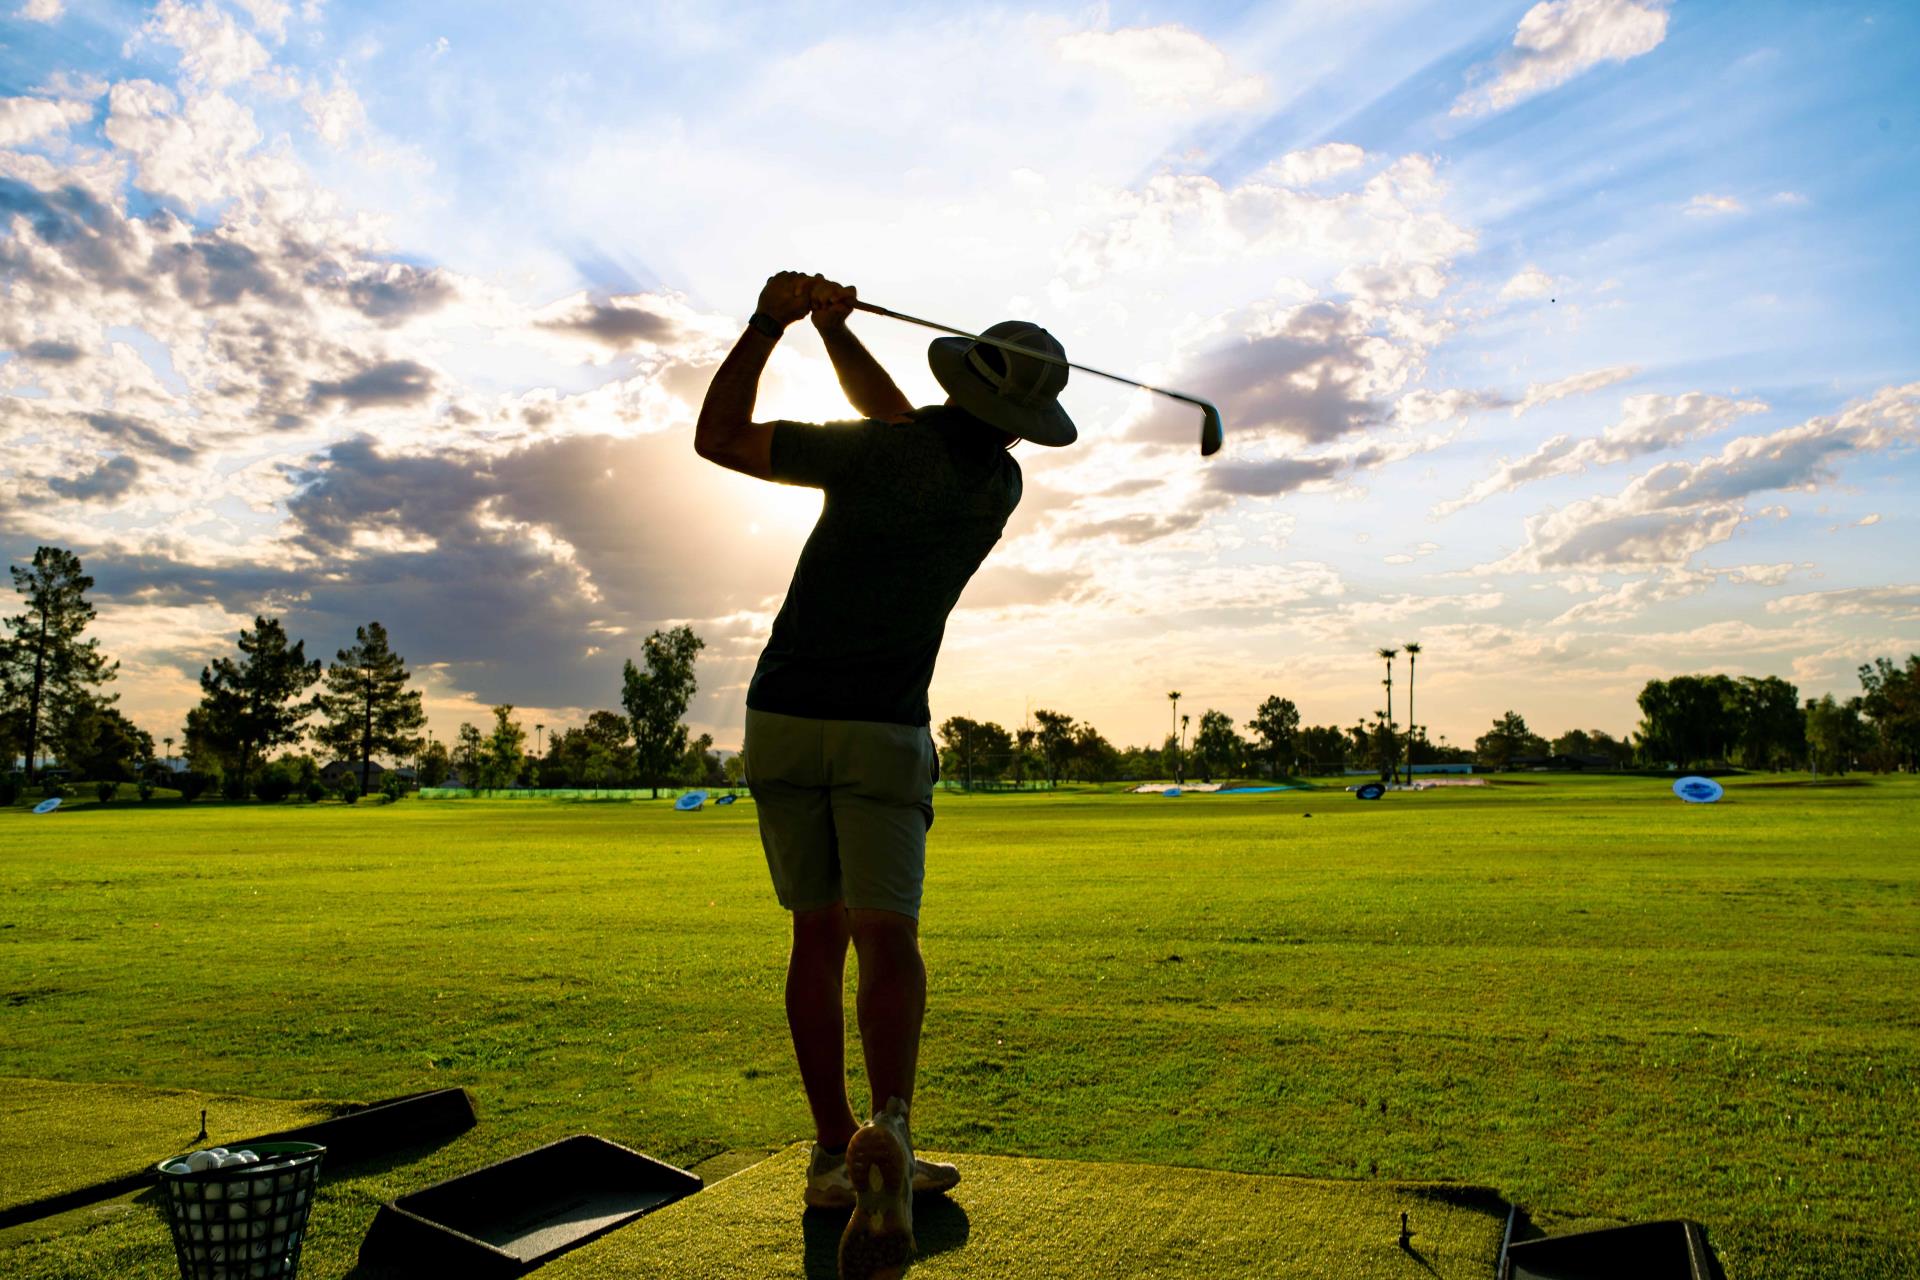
[[1603, 1003]]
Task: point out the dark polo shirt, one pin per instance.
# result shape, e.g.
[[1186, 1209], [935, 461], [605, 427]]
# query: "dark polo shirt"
[[911, 510]]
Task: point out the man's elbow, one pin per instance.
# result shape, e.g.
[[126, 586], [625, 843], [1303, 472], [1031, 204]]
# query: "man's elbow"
[[710, 443]]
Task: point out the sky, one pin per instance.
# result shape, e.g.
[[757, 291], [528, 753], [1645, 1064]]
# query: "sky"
[[1576, 341]]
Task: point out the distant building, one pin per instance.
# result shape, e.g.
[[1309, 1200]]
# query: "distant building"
[[331, 774]]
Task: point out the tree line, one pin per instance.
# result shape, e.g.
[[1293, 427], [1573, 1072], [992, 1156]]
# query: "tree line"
[[1687, 722], [261, 704]]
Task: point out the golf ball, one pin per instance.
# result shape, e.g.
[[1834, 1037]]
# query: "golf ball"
[[202, 1160], [179, 1167]]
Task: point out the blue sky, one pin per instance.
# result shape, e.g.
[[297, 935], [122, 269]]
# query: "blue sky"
[[1574, 340]]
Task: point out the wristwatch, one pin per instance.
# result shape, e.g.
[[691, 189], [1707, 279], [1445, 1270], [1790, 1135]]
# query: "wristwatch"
[[766, 324]]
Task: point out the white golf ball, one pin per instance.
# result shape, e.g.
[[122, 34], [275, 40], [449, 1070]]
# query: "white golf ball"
[[216, 1151], [178, 1166], [200, 1161]]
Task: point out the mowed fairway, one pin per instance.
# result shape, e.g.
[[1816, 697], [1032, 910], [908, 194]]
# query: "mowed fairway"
[[1597, 1000]]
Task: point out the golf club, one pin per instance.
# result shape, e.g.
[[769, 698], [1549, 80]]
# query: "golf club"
[[1211, 431]]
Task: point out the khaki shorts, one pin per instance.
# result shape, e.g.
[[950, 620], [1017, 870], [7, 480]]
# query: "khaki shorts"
[[844, 809]]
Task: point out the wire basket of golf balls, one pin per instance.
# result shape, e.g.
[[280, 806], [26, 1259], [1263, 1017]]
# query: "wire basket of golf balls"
[[241, 1214]]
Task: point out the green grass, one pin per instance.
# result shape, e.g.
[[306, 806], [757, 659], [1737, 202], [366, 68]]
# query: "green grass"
[[1600, 1001], [66, 1137]]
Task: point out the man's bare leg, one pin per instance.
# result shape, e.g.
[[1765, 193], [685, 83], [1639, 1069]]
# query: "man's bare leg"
[[816, 1015], [892, 1000]]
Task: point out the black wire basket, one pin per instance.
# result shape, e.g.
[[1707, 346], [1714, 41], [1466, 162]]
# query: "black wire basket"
[[244, 1222]]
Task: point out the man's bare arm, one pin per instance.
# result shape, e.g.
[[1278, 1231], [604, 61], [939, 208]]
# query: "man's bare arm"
[[726, 432], [869, 389]]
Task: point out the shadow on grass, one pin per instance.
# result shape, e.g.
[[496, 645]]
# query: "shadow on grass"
[[939, 1226]]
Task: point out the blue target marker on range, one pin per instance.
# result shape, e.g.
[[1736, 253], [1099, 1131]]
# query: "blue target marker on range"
[[1698, 790]]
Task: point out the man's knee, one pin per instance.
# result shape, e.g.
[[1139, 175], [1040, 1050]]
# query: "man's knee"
[[823, 929], [875, 930]]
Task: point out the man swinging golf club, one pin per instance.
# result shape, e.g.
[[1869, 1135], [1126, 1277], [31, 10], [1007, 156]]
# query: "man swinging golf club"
[[839, 757]]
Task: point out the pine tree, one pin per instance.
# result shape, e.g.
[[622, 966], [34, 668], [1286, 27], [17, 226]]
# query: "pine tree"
[[367, 707], [503, 754], [47, 672], [1277, 724], [249, 707], [657, 698]]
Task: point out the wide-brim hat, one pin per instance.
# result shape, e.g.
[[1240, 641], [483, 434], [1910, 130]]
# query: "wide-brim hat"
[[1007, 387]]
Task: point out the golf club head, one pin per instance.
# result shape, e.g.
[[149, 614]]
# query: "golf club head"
[[1212, 434]]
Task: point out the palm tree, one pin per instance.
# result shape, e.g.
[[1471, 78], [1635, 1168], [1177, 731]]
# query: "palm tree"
[[1184, 722], [1173, 731], [1413, 653], [1389, 655]]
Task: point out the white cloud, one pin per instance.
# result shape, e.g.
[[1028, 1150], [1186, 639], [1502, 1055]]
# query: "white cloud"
[[1579, 384], [198, 152], [1531, 283], [1559, 39], [1649, 424], [269, 16], [1394, 221], [1899, 603], [214, 51], [1634, 597], [1787, 198], [1661, 519], [1764, 575], [25, 120], [1422, 407], [41, 10], [1166, 66], [1707, 205], [337, 115], [1315, 164], [1872, 517]]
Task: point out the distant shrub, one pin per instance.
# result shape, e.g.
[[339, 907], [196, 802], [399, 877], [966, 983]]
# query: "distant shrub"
[[146, 788], [233, 787], [278, 780], [106, 790], [315, 791], [348, 788], [391, 787], [192, 785]]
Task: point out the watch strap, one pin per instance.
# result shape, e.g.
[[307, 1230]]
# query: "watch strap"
[[766, 324]]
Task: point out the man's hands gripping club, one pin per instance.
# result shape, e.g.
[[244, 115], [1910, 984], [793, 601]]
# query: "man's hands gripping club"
[[726, 432], [788, 295]]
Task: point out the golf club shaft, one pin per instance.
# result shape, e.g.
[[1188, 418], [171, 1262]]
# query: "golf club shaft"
[[1037, 355]]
